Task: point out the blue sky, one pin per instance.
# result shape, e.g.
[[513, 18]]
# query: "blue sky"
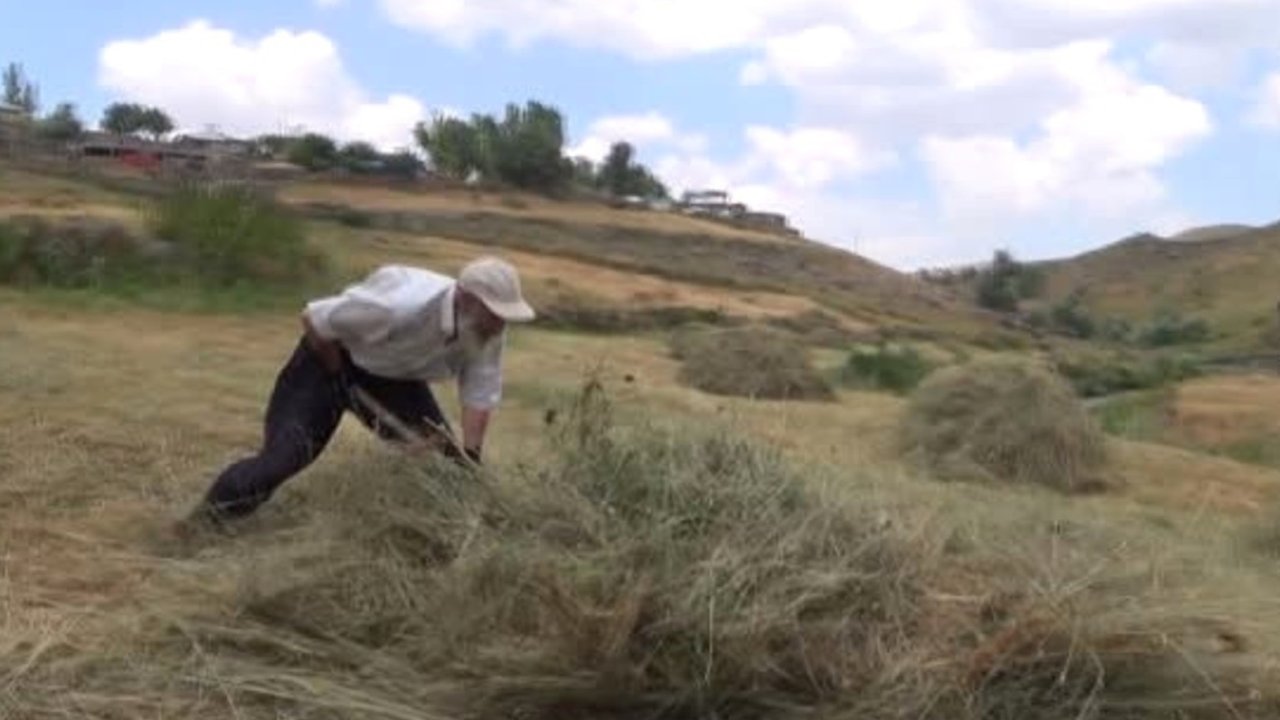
[[918, 133]]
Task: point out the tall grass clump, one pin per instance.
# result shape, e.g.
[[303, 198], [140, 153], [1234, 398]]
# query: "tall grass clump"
[[1006, 420], [68, 253], [1098, 375], [898, 369], [214, 244], [752, 361], [227, 233]]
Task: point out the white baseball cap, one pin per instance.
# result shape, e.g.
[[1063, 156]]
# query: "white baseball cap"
[[497, 284]]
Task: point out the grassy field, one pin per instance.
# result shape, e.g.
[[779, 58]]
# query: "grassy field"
[[687, 554]]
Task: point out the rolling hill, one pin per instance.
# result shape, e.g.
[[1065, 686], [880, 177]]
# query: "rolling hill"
[[1222, 275], [585, 262]]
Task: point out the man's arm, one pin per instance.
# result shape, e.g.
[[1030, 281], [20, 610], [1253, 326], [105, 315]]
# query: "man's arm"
[[480, 391], [328, 350]]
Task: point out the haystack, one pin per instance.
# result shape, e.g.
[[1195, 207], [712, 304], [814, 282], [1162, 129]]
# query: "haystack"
[[750, 361], [1007, 420]]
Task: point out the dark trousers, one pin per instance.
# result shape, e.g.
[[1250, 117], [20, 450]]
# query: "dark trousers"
[[305, 409]]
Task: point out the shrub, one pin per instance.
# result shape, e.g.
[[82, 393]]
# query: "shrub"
[[1142, 416], [226, 233], [1171, 328], [749, 361], [1005, 419], [1070, 318], [75, 252], [898, 369], [1096, 376], [1006, 281]]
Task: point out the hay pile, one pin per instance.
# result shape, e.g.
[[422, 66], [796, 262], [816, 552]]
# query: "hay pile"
[[633, 572], [751, 361], [1007, 420]]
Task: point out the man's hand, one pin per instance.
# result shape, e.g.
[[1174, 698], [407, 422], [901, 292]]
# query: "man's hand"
[[464, 457], [475, 423], [328, 351]]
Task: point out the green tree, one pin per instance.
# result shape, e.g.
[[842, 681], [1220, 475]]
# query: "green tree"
[[124, 118], [616, 171], [19, 91], [128, 118], [155, 122], [585, 174], [402, 164], [359, 156], [451, 144], [622, 176], [62, 124], [1007, 281], [1070, 317], [313, 151], [523, 149], [528, 147]]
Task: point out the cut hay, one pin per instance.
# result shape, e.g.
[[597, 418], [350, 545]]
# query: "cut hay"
[[633, 572], [1005, 420], [752, 361]]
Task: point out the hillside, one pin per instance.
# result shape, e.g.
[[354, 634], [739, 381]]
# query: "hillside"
[[1211, 232], [1226, 280], [585, 261]]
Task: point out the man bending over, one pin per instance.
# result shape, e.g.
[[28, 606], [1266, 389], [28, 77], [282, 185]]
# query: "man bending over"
[[385, 337]]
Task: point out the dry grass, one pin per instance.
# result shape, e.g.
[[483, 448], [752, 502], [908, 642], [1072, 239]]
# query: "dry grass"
[[548, 277], [749, 361], [1005, 420], [637, 570], [1233, 416], [525, 206]]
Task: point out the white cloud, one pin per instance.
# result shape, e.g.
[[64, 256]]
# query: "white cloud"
[[1225, 24], [651, 130], [202, 74], [1098, 157], [813, 157], [1266, 113], [640, 28], [1195, 68]]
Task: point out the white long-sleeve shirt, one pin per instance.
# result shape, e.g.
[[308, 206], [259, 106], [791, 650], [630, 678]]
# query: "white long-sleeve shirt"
[[400, 322]]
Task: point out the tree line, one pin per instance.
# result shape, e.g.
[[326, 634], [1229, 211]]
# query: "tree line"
[[63, 123], [522, 148], [525, 148]]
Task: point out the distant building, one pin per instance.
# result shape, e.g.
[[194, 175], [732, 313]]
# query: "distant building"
[[12, 113], [710, 202], [213, 144], [186, 152], [770, 220], [701, 198], [716, 204]]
